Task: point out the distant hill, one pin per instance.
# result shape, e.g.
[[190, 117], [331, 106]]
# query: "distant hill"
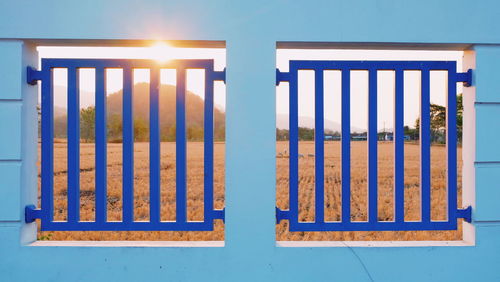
[[59, 111], [308, 122], [194, 106], [167, 110], [60, 103]]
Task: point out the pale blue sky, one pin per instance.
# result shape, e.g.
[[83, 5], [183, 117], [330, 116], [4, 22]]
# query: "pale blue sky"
[[359, 86], [195, 81]]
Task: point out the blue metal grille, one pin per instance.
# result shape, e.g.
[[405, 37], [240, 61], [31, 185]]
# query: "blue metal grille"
[[45, 213], [372, 224]]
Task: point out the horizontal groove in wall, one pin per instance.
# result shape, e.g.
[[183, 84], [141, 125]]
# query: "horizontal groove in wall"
[[486, 163], [487, 103]]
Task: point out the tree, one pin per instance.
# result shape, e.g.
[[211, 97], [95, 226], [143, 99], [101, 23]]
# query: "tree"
[[61, 126], [460, 115], [87, 124], [220, 133], [282, 134], [306, 134], [438, 121], [195, 133], [115, 128], [141, 130], [39, 115]]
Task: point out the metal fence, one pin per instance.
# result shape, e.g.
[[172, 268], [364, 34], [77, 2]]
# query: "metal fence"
[[181, 223], [45, 212], [373, 223]]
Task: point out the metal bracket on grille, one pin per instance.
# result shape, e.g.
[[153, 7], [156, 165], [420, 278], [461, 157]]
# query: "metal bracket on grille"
[[465, 77], [220, 214], [33, 75], [281, 215], [31, 213], [219, 75], [282, 76], [466, 214]]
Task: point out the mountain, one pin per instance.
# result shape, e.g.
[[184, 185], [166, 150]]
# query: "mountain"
[[194, 105], [60, 101], [59, 111], [282, 123], [167, 111]]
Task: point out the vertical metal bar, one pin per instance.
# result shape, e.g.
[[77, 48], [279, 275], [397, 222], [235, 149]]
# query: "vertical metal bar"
[[399, 146], [208, 130], [319, 147], [180, 147], [425, 146], [47, 147], [154, 146], [294, 147], [73, 146], [372, 147], [100, 147], [451, 143], [128, 146], [346, 145]]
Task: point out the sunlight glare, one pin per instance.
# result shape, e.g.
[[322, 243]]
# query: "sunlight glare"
[[161, 52]]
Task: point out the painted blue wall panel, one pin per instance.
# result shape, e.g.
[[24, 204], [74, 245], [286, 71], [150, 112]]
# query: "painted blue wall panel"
[[250, 162], [487, 192], [251, 29], [29, 175], [446, 21], [486, 73], [282, 264], [10, 70], [9, 233], [487, 132], [10, 185], [10, 130]]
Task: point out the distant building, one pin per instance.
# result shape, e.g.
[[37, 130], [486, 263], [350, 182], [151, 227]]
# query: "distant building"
[[390, 137], [331, 138], [359, 138]]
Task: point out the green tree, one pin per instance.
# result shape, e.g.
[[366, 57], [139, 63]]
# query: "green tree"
[[87, 124], [141, 130], [306, 134], [115, 128], [438, 121], [195, 133], [282, 134], [39, 114], [60, 126], [220, 133], [460, 115], [168, 133]]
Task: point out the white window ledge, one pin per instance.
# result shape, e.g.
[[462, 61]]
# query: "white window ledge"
[[313, 244], [139, 244]]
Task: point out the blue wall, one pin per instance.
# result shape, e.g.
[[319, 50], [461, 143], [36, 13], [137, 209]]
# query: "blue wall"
[[250, 30]]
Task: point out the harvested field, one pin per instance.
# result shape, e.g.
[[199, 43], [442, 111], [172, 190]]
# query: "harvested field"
[[306, 192], [359, 191]]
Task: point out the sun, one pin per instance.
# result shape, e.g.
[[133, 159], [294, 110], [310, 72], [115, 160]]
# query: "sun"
[[161, 52]]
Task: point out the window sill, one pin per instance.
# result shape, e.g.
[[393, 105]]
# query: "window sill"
[[315, 244], [137, 244]]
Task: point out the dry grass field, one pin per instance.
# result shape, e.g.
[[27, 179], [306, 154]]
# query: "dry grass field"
[[306, 192], [359, 191], [141, 191]]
